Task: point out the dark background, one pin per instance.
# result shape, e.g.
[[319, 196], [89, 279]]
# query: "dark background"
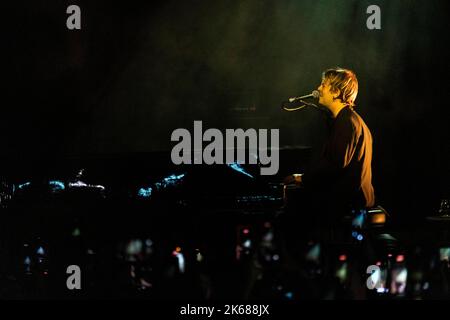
[[136, 71]]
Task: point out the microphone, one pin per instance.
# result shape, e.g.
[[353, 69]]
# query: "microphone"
[[314, 94]]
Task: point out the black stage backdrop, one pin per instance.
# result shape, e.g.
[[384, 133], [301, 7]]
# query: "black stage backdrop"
[[136, 71]]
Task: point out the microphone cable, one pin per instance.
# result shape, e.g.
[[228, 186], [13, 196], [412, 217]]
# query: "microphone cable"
[[305, 104]]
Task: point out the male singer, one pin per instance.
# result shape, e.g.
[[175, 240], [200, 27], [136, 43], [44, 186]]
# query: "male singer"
[[342, 178]]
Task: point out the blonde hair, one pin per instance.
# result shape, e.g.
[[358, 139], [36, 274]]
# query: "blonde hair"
[[345, 81]]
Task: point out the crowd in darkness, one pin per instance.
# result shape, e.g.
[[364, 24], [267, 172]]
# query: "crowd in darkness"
[[165, 241]]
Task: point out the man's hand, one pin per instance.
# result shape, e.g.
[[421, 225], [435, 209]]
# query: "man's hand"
[[293, 179]]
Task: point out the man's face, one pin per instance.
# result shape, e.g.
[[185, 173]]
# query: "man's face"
[[325, 94]]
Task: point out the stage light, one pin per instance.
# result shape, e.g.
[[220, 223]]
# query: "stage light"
[[77, 184], [444, 253], [237, 167], [40, 251], [314, 253], [342, 273], [76, 232], [378, 218], [199, 256], [56, 186], [23, 185], [145, 192]]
